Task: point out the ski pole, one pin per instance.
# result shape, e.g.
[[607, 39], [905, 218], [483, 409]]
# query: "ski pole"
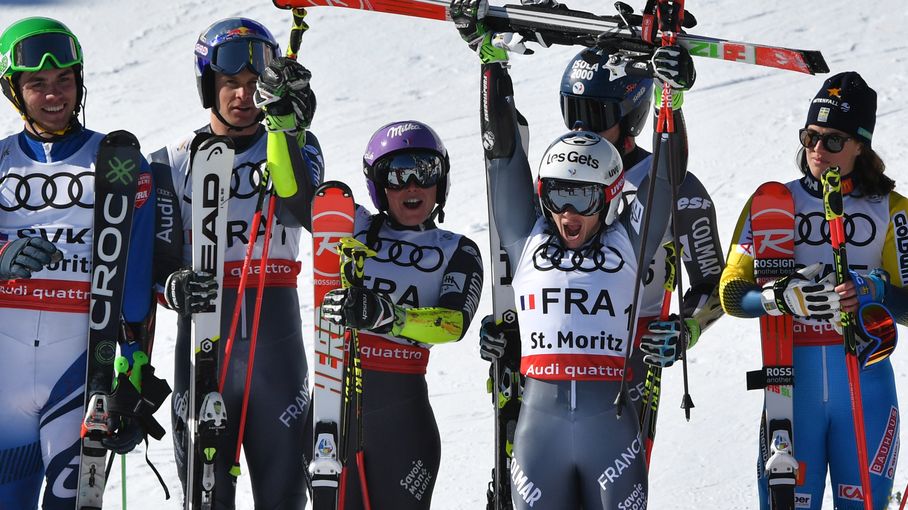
[[256, 316], [353, 254], [664, 128], [653, 384], [833, 204], [241, 287]]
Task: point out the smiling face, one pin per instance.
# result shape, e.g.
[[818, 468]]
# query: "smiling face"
[[234, 103], [49, 97], [819, 158], [412, 205]]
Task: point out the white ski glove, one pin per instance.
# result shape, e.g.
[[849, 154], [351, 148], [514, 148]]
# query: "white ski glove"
[[797, 294]]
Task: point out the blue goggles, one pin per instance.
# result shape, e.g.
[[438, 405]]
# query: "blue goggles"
[[232, 57]]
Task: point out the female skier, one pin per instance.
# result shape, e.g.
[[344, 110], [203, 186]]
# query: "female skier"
[[838, 132], [421, 288]]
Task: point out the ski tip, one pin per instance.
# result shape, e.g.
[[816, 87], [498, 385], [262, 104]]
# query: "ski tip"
[[121, 138], [328, 185], [815, 62]]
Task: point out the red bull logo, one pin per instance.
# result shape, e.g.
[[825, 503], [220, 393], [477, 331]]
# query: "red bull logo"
[[237, 32]]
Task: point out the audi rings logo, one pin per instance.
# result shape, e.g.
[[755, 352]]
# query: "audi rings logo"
[[246, 180], [813, 230], [427, 259], [37, 191], [549, 256]]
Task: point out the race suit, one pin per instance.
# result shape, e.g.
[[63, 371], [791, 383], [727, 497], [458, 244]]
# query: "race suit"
[[275, 441], [574, 309], [47, 190], [439, 274], [877, 237]]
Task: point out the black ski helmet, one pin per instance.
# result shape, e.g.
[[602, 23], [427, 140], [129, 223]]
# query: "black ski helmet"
[[593, 93]]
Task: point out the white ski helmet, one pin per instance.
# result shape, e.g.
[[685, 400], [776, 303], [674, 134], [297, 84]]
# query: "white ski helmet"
[[572, 160]]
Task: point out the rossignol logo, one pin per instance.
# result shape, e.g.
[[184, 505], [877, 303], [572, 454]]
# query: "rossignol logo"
[[396, 131], [900, 222], [571, 157], [779, 375], [774, 264], [109, 244]]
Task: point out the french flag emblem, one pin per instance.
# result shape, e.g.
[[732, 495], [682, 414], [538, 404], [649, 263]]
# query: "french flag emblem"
[[528, 302]]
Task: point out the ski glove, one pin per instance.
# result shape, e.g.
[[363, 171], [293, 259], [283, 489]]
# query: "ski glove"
[[674, 66], [359, 308], [662, 342], [188, 292], [492, 341], [20, 257], [283, 91], [797, 294], [467, 16]]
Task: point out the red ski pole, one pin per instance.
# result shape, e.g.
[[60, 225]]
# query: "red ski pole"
[[835, 212]]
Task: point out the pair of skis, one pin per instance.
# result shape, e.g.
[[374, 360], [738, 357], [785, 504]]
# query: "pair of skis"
[[338, 261], [548, 23], [116, 179]]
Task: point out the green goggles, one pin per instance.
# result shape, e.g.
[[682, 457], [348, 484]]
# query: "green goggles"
[[43, 51]]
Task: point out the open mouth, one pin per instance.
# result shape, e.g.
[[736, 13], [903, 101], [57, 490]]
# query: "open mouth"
[[571, 230], [412, 203], [54, 109]]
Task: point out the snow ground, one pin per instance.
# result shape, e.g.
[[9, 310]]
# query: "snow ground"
[[373, 68]]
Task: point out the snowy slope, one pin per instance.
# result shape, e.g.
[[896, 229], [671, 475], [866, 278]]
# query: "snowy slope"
[[372, 68]]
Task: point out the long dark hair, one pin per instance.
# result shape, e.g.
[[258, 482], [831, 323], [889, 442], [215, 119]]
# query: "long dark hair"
[[868, 171]]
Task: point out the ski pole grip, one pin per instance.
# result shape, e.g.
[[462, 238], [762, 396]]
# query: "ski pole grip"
[[296, 32]]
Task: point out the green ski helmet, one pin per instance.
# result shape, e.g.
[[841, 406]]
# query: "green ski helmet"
[[35, 44]]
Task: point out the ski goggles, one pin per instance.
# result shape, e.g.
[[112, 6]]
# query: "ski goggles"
[[232, 57], [832, 142], [584, 198], [877, 332], [594, 114], [36, 52], [423, 168]]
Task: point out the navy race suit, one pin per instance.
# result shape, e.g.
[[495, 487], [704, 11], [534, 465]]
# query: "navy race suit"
[[402, 448], [279, 400], [47, 190], [574, 312]]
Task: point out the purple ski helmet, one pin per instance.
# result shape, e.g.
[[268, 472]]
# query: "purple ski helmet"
[[398, 137]]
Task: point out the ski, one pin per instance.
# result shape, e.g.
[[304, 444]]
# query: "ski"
[[552, 23], [116, 180], [505, 382], [772, 223], [211, 168], [332, 219]]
